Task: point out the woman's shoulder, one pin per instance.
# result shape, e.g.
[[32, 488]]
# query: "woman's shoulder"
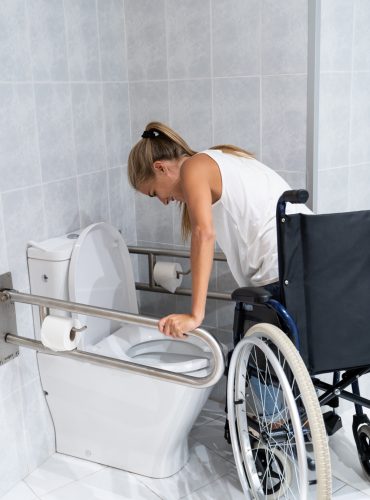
[[201, 170], [200, 162]]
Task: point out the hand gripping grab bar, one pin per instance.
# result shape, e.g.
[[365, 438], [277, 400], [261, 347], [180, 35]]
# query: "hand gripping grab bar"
[[217, 366]]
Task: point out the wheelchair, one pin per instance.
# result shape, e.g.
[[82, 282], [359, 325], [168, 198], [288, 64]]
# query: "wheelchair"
[[317, 323]]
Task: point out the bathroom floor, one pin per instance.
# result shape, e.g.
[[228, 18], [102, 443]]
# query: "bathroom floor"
[[209, 474]]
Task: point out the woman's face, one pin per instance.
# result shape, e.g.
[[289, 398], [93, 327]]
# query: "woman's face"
[[165, 185]]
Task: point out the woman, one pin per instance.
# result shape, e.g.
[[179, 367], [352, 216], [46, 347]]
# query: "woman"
[[227, 195]]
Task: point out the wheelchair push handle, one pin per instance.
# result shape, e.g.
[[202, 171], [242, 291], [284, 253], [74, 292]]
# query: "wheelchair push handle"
[[294, 196]]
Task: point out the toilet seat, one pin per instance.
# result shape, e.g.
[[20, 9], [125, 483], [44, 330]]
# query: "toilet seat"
[[177, 356]]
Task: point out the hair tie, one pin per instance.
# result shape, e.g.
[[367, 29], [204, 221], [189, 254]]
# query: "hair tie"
[[150, 134]]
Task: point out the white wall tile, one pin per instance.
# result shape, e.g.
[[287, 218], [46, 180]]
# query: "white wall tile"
[[359, 187], [237, 112], [112, 40], [190, 104], [93, 196], [146, 39], [154, 220], [284, 110], [3, 254], [334, 119], [333, 190], [48, 40], [19, 160], [54, 118], [61, 207], [23, 213], [361, 36], [236, 37], [88, 127], [122, 204], [148, 102], [188, 38], [336, 35], [15, 58], [117, 124], [82, 40], [284, 37], [360, 119]]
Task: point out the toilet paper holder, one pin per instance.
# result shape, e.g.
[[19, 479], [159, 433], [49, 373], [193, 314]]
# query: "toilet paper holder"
[[153, 253], [10, 341], [75, 330]]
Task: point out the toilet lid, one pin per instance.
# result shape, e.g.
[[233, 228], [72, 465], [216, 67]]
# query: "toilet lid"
[[101, 274]]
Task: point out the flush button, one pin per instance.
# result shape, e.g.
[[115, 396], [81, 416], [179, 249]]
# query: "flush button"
[[72, 236], [45, 278]]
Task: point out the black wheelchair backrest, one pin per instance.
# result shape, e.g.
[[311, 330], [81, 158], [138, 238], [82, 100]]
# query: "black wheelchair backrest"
[[324, 273]]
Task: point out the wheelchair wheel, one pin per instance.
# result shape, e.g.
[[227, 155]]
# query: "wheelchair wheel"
[[276, 426], [363, 448]]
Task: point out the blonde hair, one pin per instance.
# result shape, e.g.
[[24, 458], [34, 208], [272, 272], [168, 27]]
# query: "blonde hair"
[[160, 142]]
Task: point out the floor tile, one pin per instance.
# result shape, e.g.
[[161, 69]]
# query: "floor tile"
[[349, 493], [107, 484], [203, 468], [344, 458], [58, 471], [212, 410], [20, 492], [212, 436], [227, 487]]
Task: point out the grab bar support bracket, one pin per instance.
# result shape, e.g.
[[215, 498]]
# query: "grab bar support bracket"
[[8, 322]]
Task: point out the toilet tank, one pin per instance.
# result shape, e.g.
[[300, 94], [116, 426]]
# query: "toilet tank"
[[48, 267]]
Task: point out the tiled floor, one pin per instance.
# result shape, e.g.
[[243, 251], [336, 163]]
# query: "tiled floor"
[[209, 475]]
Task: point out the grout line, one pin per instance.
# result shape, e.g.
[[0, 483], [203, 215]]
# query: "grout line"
[[212, 71], [153, 80], [260, 83], [349, 197], [62, 179], [72, 114]]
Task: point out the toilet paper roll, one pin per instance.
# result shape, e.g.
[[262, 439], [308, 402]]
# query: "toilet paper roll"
[[57, 334], [165, 274]]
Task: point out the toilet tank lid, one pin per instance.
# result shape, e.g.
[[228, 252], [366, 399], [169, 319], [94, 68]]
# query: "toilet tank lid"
[[53, 249]]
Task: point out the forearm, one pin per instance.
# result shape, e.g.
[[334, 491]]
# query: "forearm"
[[202, 250]]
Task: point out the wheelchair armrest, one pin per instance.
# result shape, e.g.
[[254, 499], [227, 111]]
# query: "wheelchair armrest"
[[251, 295]]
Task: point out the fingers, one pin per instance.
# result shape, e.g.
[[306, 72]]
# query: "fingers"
[[171, 326]]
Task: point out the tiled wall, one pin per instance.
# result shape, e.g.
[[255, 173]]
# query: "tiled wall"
[[79, 79], [64, 141], [344, 106], [217, 72]]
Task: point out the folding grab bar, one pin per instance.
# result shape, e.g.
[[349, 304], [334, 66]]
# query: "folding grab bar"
[[44, 303]]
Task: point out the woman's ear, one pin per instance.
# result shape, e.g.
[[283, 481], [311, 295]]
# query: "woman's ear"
[[159, 166]]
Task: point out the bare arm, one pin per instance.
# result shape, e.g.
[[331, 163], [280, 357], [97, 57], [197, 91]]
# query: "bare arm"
[[196, 186]]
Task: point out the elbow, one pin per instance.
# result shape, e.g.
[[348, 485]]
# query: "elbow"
[[204, 234]]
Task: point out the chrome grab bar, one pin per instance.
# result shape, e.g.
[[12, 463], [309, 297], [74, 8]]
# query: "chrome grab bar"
[[217, 367], [152, 253]]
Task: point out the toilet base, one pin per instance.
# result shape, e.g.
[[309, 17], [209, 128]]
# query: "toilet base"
[[123, 420]]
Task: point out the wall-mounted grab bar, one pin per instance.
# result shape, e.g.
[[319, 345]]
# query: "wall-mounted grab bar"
[[10, 296], [152, 253]]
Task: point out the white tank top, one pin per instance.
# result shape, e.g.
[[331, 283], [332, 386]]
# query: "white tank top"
[[244, 217]]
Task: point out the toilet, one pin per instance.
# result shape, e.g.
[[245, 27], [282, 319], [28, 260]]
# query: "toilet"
[[103, 414]]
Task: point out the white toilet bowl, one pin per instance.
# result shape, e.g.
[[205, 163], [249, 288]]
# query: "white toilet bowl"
[[124, 420]]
